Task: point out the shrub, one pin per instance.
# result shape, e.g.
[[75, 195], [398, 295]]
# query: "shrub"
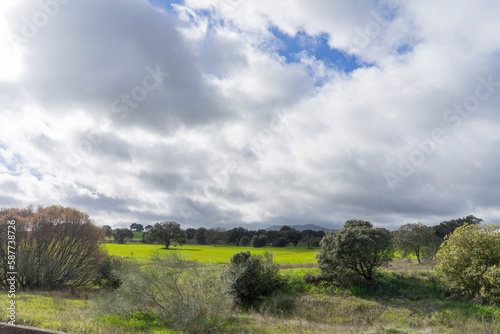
[[56, 246], [245, 241], [109, 273], [183, 297], [469, 258], [281, 242], [249, 277], [358, 247], [259, 241]]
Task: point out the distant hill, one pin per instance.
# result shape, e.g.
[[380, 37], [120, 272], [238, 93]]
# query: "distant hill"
[[301, 228]]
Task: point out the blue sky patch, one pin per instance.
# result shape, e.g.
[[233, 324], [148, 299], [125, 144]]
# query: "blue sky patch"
[[317, 46]]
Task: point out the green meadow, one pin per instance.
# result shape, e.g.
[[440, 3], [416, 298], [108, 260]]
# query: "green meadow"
[[214, 254]]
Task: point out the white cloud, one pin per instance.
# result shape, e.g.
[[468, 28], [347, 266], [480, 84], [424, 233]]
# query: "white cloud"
[[235, 134]]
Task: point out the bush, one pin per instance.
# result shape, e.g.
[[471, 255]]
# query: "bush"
[[469, 258], [183, 297], [108, 273], [55, 246], [281, 242], [358, 248], [259, 241], [245, 241], [249, 277]]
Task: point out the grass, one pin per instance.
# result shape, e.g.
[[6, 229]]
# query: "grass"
[[215, 255], [68, 313], [406, 297]]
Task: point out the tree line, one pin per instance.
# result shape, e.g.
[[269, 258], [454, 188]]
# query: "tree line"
[[168, 233]]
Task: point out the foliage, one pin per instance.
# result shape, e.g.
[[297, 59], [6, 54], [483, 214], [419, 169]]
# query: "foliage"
[[245, 241], [469, 258], [108, 231], [216, 235], [166, 233], [234, 235], [281, 242], [120, 234], [447, 227], [292, 235], [107, 273], [358, 247], [56, 246], [413, 238], [201, 236], [182, 296], [249, 277], [136, 227], [259, 241]]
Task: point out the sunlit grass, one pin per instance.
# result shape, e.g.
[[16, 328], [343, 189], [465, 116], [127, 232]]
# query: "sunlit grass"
[[214, 254]]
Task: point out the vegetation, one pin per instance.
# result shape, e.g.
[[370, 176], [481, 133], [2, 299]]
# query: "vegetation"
[[417, 239], [174, 292], [358, 247], [166, 233], [447, 227], [470, 259], [55, 246], [204, 285], [120, 234], [251, 277]]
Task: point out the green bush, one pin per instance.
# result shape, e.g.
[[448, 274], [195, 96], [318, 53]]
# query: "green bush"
[[109, 273], [469, 258], [249, 277]]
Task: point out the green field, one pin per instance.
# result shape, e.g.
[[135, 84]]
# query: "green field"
[[214, 254]]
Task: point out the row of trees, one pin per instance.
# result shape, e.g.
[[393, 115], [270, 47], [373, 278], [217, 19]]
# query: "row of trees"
[[171, 232]]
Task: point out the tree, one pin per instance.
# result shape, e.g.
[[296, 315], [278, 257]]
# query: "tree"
[[108, 231], [250, 277], [293, 236], [136, 227], [259, 241], [216, 235], [120, 234], [190, 233], [413, 238], [166, 233], [147, 227], [312, 238], [358, 247], [245, 241], [201, 236], [281, 242], [272, 236], [234, 235], [447, 227], [470, 260], [55, 247]]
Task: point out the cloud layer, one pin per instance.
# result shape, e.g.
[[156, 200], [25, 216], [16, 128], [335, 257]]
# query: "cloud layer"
[[200, 112]]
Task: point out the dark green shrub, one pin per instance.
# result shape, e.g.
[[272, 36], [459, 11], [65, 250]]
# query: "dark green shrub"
[[108, 273], [249, 277]]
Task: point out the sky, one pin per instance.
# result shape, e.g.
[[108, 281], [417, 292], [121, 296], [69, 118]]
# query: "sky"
[[223, 113]]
